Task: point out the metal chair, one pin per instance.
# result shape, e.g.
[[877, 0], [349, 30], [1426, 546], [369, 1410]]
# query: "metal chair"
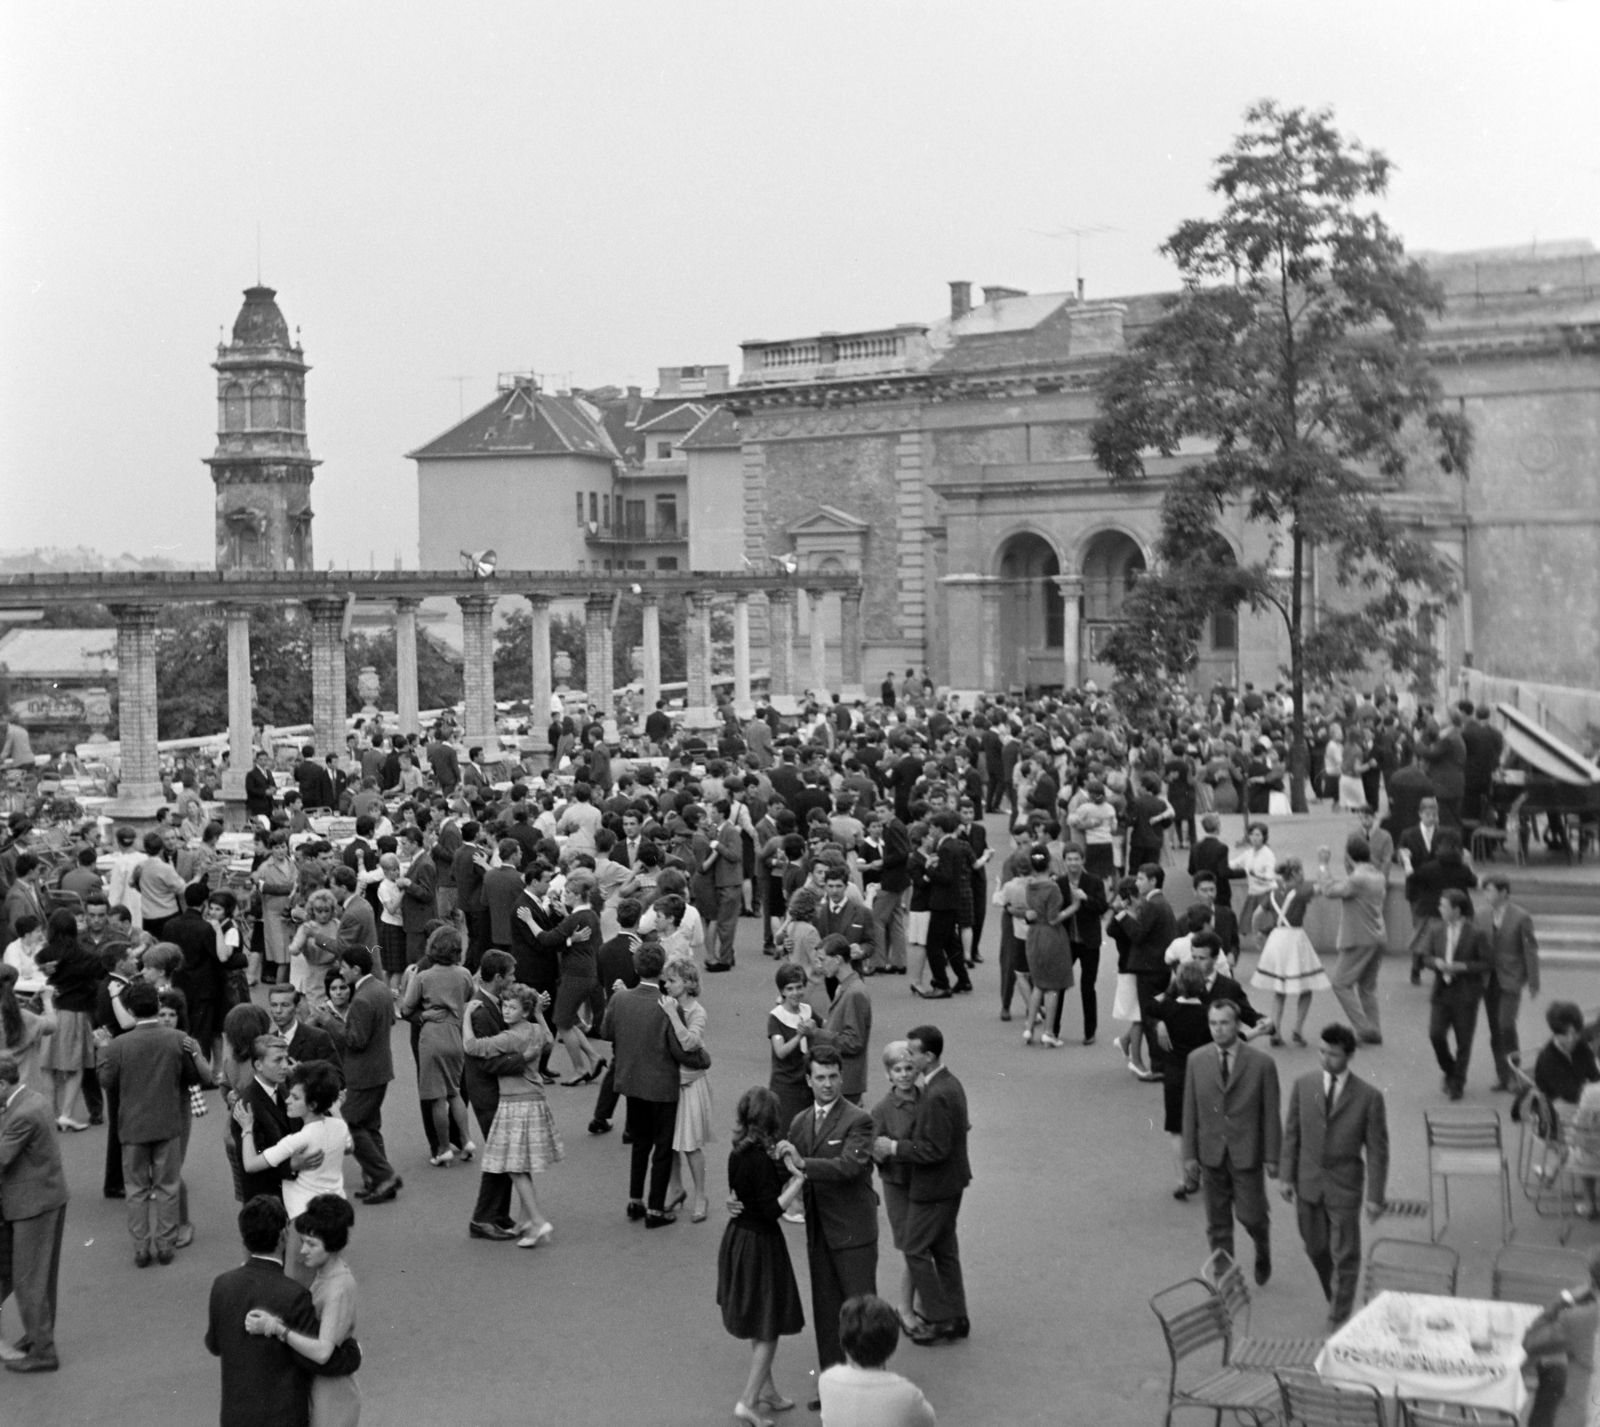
[[1308, 1401], [1405, 1266], [1540, 1150], [1525, 1274], [1466, 1143], [1416, 1413], [1199, 1343], [1226, 1279]]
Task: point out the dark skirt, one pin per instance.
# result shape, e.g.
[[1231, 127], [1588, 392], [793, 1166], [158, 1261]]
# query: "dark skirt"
[[392, 948], [571, 994], [1172, 1092], [755, 1284], [897, 1204], [792, 1100]]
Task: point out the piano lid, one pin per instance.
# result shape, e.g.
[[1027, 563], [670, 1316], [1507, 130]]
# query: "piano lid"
[[1542, 750]]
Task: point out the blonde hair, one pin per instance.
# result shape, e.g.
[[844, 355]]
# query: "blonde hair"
[[686, 971], [895, 1052], [321, 901]]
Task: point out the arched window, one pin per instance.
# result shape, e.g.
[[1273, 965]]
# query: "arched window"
[[233, 408], [1112, 565], [261, 404]]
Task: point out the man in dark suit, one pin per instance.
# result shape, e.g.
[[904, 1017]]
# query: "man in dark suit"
[[1443, 752], [1515, 965], [1333, 1117], [889, 900], [727, 881], [316, 787], [1407, 790], [368, 1069], [301, 1042], [357, 924], [646, 1055], [1461, 958], [419, 885], [1210, 854], [33, 1206], [1086, 904], [264, 1383], [847, 1028], [1151, 927], [1231, 1134], [1484, 743], [259, 787], [269, 1060], [480, 1081], [839, 914], [150, 1072], [200, 977], [949, 889], [830, 1144], [936, 1150]]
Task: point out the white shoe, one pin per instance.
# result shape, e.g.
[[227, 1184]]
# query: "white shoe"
[[1047, 1039], [1027, 1036], [444, 1159], [531, 1239]]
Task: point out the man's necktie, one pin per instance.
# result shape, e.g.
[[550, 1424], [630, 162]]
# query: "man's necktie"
[[1327, 1100], [1224, 1069]]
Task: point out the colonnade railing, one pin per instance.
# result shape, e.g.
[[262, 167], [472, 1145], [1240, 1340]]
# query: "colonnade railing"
[[135, 599]]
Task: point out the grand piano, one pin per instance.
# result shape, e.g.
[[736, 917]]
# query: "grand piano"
[[1544, 778]]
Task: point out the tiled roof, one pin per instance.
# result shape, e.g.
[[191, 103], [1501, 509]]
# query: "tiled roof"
[[34, 653], [523, 421], [719, 431]]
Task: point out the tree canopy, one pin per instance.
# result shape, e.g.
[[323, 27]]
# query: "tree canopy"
[[1293, 358]]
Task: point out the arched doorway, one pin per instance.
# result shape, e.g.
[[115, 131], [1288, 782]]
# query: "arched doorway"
[[1030, 613], [1112, 565]]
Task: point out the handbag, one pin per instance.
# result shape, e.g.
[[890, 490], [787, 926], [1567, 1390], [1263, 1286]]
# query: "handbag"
[[197, 1101], [1125, 1007], [697, 1059], [344, 1361]]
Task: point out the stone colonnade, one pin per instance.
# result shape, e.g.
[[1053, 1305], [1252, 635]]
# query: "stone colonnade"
[[136, 661]]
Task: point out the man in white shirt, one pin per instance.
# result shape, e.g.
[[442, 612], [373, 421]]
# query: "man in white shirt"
[[580, 821]]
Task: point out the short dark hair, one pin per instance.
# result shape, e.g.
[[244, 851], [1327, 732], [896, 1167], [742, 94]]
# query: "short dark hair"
[[262, 1222], [648, 961], [359, 957], [327, 1218], [789, 975], [629, 910], [1225, 1003], [140, 1000], [869, 1330], [1500, 880], [930, 1038], [825, 1055], [1336, 1033], [1456, 898], [1151, 872], [1563, 1016], [321, 1083], [495, 963], [196, 894], [1357, 848]]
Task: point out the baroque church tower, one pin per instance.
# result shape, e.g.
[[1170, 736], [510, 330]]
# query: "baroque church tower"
[[262, 466]]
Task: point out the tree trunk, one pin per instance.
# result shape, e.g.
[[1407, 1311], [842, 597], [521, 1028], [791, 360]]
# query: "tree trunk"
[[1297, 680]]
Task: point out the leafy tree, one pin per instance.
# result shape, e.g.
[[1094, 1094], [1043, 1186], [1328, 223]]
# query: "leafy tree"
[[1294, 353], [192, 668], [513, 652]]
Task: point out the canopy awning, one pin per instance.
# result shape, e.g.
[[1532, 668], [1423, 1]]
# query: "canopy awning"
[[1542, 750]]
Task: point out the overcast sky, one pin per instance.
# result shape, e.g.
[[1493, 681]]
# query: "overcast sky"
[[591, 191]]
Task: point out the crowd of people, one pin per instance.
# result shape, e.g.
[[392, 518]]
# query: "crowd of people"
[[580, 908]]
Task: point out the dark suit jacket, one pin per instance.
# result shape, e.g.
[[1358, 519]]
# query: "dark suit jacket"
[[481, 1078], [200, 976], [852, 921], [841, 1204], [936, 1149], [368, 1059], [264, 1384], [32, 1181], [357, 925], [417, 901], [270, 1125], [1151, 927], [1225, 988], [1474, 956], [1322, 1156], [1084, 926], [644, 1045], [1240, 1121], [896, 873], [1210, 854], [310, 1043], [848, 1029], [259, 792], [1515, 948], [316, 787]]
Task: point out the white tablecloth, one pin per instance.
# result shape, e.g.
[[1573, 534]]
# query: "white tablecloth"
[[1460, 1350]]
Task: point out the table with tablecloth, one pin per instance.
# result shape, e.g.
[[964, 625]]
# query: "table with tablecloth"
[[1466, 1351]]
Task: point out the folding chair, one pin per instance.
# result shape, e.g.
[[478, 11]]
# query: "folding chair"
[[1416, 1413], [1525, 1274], [1199, 1343], [1540, 1150], [1405, 1266], [1226, 1279], [1466, 1143], [1308, 1401]]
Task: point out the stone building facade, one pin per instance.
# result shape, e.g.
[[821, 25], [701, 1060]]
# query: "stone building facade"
[[262, 466], [950, 464]]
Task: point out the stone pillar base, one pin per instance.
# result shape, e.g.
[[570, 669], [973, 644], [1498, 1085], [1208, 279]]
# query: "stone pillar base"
[[135, 805]]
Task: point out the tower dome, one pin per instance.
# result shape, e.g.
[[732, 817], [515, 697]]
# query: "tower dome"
[[262, 466]]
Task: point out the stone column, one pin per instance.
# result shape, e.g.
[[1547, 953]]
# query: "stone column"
[[850, 639], [241, 706], [329, 699], [652, 653], [741, 650], [989, 662], [597, 653], [540, 684], [405, 664], [780, 641], [477, 671], [1071, 587], [819, 642], [139, 782], [697, 649]]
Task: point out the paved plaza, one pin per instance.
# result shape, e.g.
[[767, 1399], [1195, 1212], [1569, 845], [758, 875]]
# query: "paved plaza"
[[1067, 1230]]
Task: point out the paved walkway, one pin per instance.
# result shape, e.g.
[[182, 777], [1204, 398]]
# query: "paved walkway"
[[1067, 1230]]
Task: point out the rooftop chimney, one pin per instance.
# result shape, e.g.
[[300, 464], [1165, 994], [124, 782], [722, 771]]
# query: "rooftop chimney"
[[1080, 289], [960, 299], [994, 294]]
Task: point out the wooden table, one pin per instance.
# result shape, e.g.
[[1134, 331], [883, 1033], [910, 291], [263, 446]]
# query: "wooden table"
[[1466, 1351]]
